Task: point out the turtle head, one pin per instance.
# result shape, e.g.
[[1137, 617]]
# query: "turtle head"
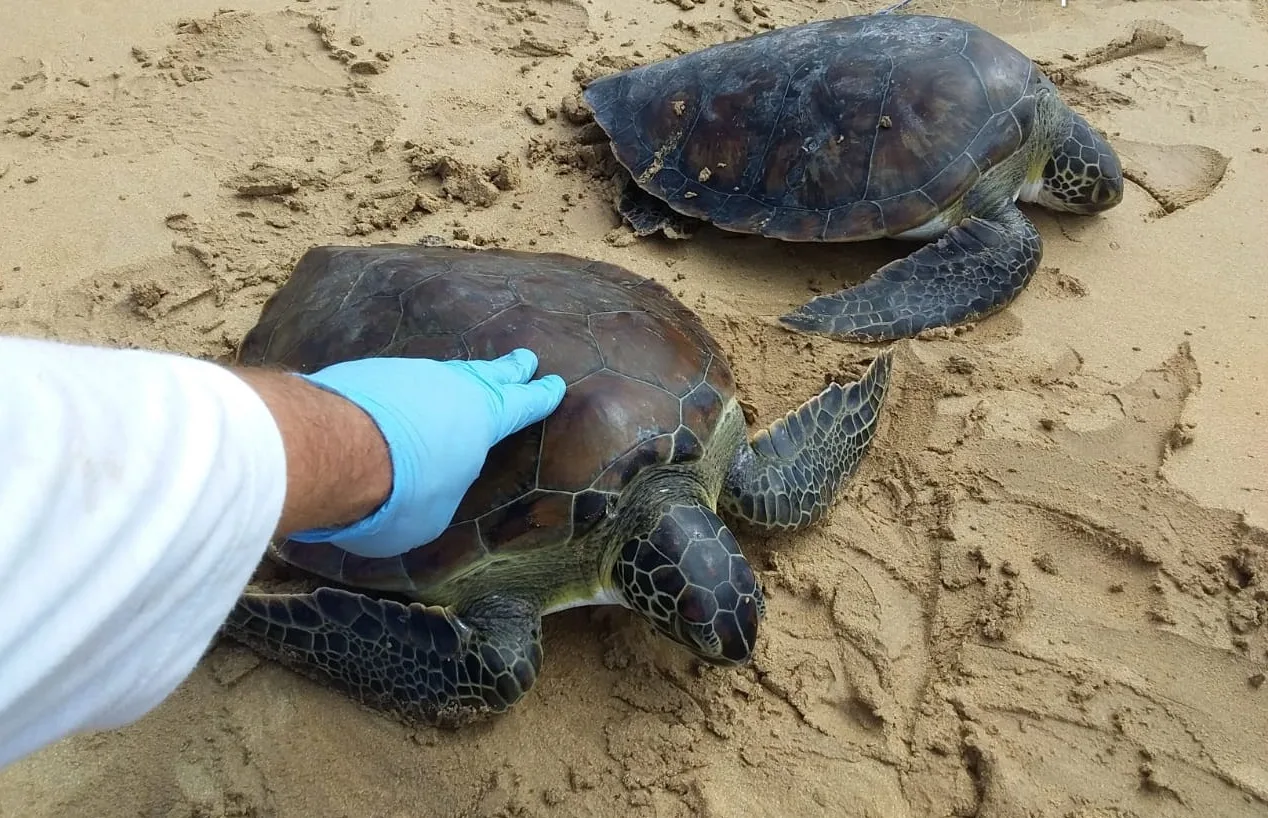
[[1083, 175], [685, 573]]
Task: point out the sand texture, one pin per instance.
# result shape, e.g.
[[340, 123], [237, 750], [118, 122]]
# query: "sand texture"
[[1044, 594]]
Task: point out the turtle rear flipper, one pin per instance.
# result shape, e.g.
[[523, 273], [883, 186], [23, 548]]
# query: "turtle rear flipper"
[[976, 268], [646, 214], [426, 664], [789, 475]]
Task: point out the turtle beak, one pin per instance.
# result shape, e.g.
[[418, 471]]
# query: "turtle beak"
[[1109, 188]]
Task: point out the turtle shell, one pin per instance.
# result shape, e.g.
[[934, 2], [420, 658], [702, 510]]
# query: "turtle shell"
[[646, 382], [844, 129]]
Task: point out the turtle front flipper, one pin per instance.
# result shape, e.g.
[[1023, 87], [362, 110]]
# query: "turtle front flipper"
[[976, 268], [647, 214], [790, 473], [424, 665]]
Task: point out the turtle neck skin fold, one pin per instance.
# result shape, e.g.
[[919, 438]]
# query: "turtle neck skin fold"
[[138, 493]]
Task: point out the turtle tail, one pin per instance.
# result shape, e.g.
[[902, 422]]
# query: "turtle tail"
[[789, 474]]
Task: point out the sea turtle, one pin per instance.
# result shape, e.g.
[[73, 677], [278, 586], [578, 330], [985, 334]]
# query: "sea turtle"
[[899, 126], [613, 499]]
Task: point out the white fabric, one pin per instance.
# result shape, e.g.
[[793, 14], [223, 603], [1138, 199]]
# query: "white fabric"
[[138, 492]]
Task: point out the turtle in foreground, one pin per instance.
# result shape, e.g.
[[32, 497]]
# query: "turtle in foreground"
[[878, 126], [613, 499]]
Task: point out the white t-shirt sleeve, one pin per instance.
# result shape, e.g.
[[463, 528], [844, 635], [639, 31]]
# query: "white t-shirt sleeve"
[[138, 492]]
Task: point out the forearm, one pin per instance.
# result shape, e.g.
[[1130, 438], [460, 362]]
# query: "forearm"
[[337, 463], [138, 494]]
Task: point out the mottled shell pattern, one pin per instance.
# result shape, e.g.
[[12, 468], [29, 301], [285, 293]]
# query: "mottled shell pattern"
[[823, 131]]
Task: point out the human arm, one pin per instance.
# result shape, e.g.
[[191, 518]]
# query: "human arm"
[[338, 469], [380, 451], [140, 490]]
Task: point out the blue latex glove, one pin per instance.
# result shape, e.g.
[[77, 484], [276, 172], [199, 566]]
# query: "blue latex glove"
[[439, 419]]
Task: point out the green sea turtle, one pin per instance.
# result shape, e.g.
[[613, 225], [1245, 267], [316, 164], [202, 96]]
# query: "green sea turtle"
[[897, 126], [613, 499]]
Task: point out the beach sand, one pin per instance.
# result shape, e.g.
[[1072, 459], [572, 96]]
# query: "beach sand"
[[1044, 593]]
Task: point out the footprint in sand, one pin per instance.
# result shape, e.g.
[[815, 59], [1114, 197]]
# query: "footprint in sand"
[[1175, 176]]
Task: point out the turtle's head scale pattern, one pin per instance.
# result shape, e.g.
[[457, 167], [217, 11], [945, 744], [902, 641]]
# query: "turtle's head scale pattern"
[[685, 573], [1084, 174]]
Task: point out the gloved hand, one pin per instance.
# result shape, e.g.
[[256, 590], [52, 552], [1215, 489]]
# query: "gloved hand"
[[439, 419]]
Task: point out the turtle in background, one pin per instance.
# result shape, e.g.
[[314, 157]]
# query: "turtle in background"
[[614, 499], [877, 126]]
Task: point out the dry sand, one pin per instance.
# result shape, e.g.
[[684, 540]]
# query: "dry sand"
[[1043, 595]]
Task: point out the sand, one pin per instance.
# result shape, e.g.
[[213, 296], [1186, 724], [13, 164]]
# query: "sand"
[[1044, 593]]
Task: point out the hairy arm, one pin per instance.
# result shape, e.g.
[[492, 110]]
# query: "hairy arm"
[[338, 469]]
